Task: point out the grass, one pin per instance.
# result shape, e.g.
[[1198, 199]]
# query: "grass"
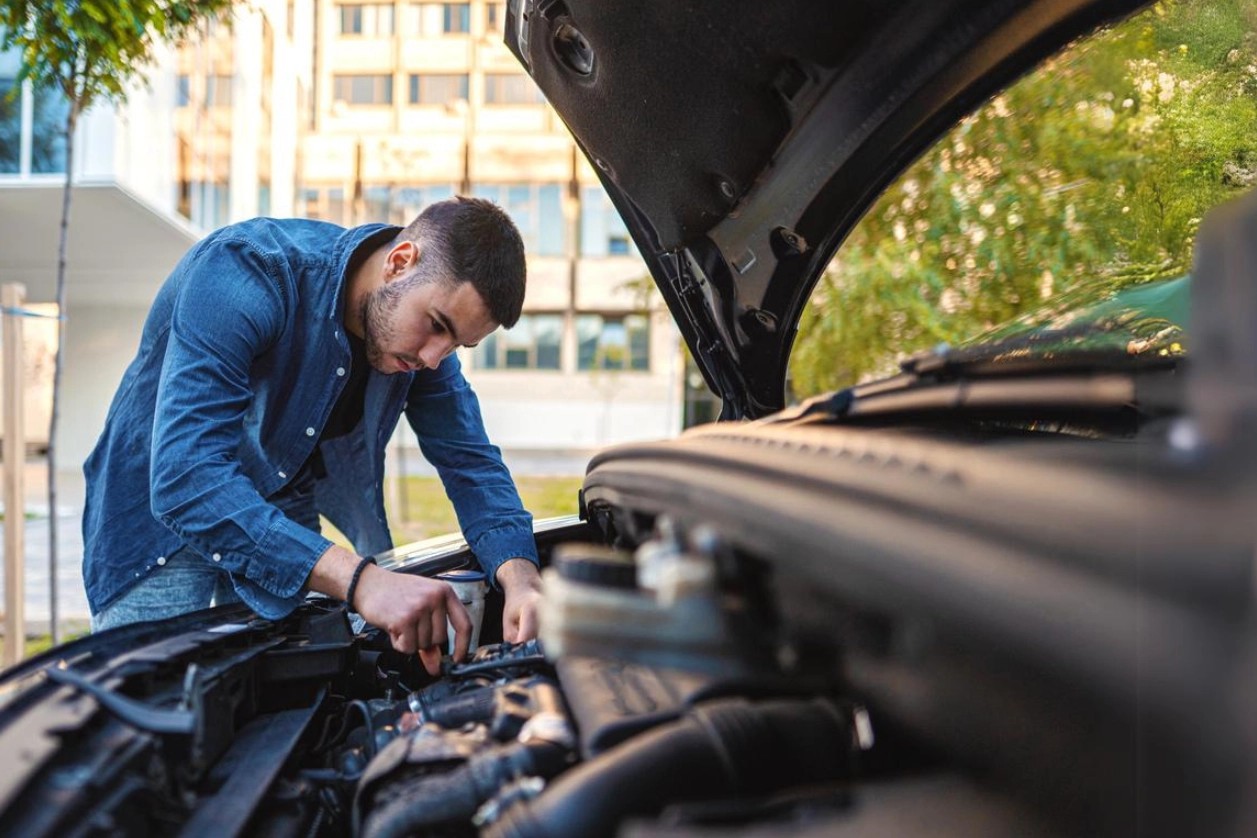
[[427, 512], [43, 642]]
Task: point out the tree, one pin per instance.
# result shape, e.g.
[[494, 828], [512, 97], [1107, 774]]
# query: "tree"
[[1087, 176], [89, 51]]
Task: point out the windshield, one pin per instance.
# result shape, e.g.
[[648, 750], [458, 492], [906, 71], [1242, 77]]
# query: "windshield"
[[1065, 207], [1146, 321]]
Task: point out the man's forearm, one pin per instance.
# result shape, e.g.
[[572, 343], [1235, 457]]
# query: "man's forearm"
[[517, 572], [332, 572]]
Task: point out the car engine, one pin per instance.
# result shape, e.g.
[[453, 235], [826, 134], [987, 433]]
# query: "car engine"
[[518, 742]]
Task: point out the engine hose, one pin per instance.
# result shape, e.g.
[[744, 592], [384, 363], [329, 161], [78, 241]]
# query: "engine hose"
[[719, 749], [430, 800]]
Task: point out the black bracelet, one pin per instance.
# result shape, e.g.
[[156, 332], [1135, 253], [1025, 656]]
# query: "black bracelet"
[[353, 581]]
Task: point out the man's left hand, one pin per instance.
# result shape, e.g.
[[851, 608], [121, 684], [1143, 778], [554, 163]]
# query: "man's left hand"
[[521, 584]]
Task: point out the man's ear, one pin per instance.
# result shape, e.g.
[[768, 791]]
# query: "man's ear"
[[401, 260]]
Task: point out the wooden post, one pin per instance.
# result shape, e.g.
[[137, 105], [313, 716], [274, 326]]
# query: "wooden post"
[[12, 298]]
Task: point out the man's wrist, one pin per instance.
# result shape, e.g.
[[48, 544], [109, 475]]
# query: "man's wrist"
[[353, 581], [333, 571], [517, 572]]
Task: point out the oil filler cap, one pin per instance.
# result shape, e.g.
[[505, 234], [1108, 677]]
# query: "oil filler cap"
[[594, 564]]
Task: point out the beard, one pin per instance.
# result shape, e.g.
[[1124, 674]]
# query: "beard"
[[378, 314], [378, 311]]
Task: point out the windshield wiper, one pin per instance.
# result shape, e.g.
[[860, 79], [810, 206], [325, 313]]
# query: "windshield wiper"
[[938, 382]]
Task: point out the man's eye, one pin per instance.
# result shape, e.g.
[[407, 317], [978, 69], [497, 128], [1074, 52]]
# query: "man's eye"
[[438, 326]]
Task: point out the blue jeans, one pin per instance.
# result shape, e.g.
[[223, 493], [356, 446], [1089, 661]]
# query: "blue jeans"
[[186, 583]]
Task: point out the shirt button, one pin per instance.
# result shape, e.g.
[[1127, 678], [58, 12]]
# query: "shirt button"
[[283, 476], [309, 431], [340, 370], [161, 559], [218, 557]]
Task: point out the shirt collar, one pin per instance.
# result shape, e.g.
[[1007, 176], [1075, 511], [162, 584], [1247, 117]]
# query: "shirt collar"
[[353, 246]]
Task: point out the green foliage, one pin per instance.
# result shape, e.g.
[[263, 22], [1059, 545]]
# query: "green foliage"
[[91, 49], [1091, 173]]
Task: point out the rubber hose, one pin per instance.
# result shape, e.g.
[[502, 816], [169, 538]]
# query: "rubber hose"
[[429, 800], [423, 802], [719, 749]]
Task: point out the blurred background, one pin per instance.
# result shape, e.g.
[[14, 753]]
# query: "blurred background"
[[1084, 178]]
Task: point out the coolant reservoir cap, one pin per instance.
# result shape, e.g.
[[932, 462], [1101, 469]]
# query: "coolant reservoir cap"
[[594, 564], [462, 576]]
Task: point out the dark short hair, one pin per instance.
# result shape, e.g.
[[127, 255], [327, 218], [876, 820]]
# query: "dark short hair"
[[474, 240]]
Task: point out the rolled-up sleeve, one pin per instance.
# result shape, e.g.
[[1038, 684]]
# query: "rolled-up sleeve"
[[445, 415], [229, 310]]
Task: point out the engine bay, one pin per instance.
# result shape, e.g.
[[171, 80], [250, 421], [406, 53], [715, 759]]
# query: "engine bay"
[[773, 631]]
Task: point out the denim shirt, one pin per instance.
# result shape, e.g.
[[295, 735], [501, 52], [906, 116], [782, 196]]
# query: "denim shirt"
[[241, 360]]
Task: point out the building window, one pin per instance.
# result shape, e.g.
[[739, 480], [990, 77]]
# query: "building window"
[[363, 90], [337, 206], [393, 204], [310, 203], [48, 131], [36, 144], [10, 127], [218, 91], [264, 197], [532, 344], [612, 342], [455, 18], [536, 209], [375, 203], [183, 90], [211, 203], [437, 88], [371, 20], [511, 89], [495, 15], [602, 229], [433, 19], [409, 201]]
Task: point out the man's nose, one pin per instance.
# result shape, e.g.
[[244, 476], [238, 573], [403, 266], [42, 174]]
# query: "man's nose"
[[435, 352]]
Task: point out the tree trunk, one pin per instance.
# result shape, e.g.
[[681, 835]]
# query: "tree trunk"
[[71, 123]]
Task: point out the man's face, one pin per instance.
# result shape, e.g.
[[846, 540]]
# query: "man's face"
[[416, 326]]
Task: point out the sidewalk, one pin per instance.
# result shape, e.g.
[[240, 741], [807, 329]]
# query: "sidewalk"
[[71, 598]]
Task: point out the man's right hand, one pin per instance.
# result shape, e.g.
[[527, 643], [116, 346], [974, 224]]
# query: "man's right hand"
[[412, 609]]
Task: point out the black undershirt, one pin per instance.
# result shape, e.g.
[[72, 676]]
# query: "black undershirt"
[[347, 412], [348, 409]]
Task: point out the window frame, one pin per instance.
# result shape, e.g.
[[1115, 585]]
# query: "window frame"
[[498, 85], [369, 18], [348, 78], [499, 343], [621, 317], [415, 86]]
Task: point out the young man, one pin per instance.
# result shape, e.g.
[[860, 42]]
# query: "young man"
[[274, 365]]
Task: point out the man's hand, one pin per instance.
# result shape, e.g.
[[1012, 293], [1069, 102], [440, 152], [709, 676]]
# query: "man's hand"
[[521, 584], [412, 609]]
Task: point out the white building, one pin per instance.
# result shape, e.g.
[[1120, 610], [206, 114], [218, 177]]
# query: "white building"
[[131, 215], [351, 112]]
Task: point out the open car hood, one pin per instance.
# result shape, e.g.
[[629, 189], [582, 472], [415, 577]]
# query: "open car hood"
[[742, 145]]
